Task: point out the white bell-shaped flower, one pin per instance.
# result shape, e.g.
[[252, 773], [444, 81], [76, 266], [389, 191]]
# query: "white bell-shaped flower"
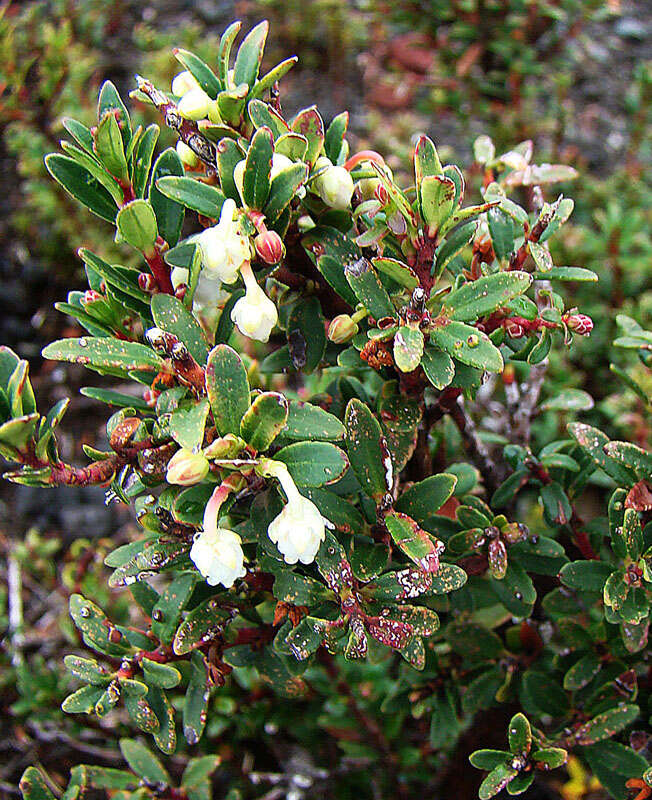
[[217, 552], [224, 247], [218, 556], [254, 314], [299, 529]]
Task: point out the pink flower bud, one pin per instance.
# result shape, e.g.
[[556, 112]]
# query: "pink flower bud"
[[90, 295], [269, 247], [580, 324], [342, 328]]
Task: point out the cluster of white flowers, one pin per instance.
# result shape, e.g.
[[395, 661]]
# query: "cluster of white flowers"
[[224, 247], [297, 531]]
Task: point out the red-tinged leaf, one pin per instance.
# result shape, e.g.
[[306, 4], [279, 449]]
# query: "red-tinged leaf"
[[418, 545]]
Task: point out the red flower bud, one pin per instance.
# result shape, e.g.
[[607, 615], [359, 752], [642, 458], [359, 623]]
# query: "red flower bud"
[[146, 282], [269, 247], [579, 323], [90, 295]]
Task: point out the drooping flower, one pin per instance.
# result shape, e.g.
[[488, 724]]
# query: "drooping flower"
[[299, 529], [254, 314], [217, 552], [218, 556], [224, 247]]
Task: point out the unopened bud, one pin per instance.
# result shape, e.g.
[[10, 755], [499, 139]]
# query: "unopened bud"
[[186, 468], [187, 154], [342, 329], [580, 324], [90, 295], [147, 282], [194, 104], [335, 187], [225, 447], [269, 247], [183, 83]]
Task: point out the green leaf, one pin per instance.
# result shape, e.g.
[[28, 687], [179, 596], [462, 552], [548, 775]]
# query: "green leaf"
[[496, 780], [520, 735], [541, 694], [88, 670], [163, 675], [202, 624], [224, 51], [105, 355], [437, 201], [613, 764], [306, 334], [228, 388], [169, 213], [397, 271], [172, 316], [607, 724], [550, 757], [264, 420], [195, 714], [414, 542], [585, 576], [109, 101], [577, 274], [263, 115], [187, 425], [109, 147], [425, 498], [255, 181], [283, 188], [426, 160], [478, 298], [632, 457], [593, 442], [191, 193], [501, 229], [199, 770], [438, 366], [144, 763], [95, 627], [368, 289], [306, 421], [136, 223], [569, 400], [368, 451], [167, 611], [582, 672], [250, 55], [82, 701], [335, 134], [80, 184], [122, 278], [200, 71], [408, 348], [313, 463], [33, 786], [468, 345], [309, 123], [489, 759]]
